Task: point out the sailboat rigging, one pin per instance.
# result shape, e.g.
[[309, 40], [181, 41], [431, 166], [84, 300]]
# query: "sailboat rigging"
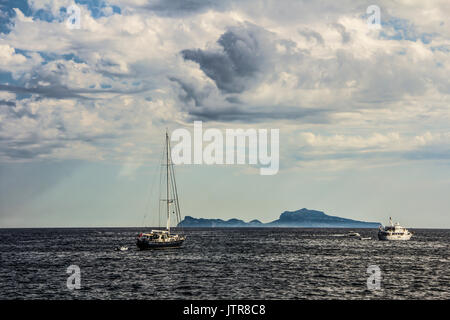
[[164, 238]]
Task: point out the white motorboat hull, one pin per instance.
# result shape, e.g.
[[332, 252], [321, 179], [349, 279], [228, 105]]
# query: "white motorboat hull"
[[394, 232], [391, 237]]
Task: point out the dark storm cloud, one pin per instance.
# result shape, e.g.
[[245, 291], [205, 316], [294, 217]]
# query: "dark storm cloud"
[[184, 7], [7, 103], [29, 149], [53, 76], [56, 91], [259, 114], [233, 99], [24, 153], [189, 92], [243, 55], [63, 92]]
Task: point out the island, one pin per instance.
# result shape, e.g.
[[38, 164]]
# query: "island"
[[303, 218]]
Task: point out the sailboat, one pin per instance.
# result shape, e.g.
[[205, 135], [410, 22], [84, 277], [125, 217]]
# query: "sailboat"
[[164, 238]]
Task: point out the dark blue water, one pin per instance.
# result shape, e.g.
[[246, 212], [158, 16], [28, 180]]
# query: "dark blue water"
[[223, 264]]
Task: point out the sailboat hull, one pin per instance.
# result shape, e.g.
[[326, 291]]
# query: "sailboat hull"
[[146, 245]]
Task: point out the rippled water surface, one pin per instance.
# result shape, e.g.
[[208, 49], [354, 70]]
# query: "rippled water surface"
[[223, 264]]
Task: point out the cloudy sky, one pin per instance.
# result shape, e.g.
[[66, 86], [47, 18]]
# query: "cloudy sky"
[[363, 113]]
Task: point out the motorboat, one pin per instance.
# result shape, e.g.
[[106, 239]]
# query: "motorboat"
[[394, 232]]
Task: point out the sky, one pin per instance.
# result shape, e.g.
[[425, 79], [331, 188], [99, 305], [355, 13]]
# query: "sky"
[[363, 113]]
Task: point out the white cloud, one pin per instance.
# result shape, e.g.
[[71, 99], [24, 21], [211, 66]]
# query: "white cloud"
[[321, 71], [8, 56]]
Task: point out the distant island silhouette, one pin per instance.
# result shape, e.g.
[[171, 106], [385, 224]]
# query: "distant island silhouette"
[[304, 218]]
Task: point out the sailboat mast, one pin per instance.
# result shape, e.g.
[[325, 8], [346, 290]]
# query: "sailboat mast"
[[167, 184]]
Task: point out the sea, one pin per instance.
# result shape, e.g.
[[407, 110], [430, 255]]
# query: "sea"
[[241, 263]]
